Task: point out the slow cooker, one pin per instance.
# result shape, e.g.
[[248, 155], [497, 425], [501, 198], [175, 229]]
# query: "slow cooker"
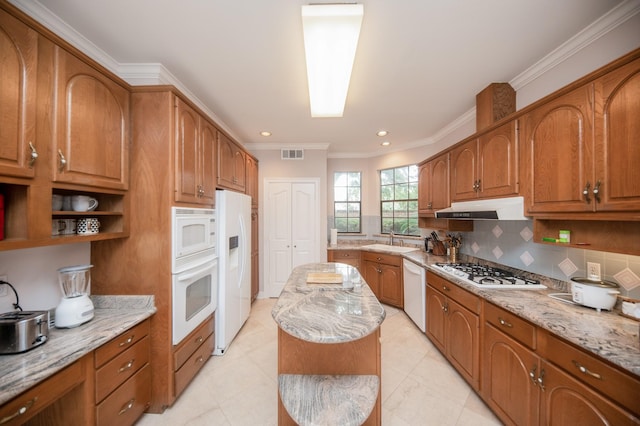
[[597, 294]]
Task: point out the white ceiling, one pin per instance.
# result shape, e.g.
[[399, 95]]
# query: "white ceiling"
[[418, 67]]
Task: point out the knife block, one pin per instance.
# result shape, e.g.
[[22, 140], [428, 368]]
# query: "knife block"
[[438, 248]]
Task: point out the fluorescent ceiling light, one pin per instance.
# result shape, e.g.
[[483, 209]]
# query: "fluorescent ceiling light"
[[331, 34]]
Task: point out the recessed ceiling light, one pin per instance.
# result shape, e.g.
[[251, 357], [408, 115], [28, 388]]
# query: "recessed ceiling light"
[[385, 143], [382, 133], [265, 133]]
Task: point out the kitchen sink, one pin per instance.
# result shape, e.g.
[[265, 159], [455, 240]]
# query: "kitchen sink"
[[387, 247]]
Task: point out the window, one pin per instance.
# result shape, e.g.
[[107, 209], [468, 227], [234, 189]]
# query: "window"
[[346, 201], [399, 200]]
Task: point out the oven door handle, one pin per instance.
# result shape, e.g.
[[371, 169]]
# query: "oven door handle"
[[186, 277]]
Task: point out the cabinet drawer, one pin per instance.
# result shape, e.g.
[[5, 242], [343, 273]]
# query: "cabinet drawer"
[[23, 407], [126, 405], [387, 259], [121, 343], [192, 342], [338, 255], [120, 368], [454, 292], [191, 367], [619, 386], [511, 324]]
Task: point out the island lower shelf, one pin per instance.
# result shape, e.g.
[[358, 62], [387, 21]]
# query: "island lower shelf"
[[358, 357]]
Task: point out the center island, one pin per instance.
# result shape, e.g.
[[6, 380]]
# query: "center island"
[[329, 369]]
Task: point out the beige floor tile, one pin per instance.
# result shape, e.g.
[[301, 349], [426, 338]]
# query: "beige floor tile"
[[419, 387]]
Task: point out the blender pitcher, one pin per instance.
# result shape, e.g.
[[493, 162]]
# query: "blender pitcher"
[[76, 307]]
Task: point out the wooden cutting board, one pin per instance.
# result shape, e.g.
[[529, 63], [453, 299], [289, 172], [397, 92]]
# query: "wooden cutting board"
[[324, 278]]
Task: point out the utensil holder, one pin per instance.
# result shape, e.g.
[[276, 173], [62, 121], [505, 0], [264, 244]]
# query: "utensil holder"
[[453, 254]]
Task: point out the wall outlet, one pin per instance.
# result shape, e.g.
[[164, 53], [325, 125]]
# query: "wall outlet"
[[4, 289], [593, 271]]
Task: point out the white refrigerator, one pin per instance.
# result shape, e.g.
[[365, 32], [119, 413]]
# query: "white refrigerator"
[[234, 266]]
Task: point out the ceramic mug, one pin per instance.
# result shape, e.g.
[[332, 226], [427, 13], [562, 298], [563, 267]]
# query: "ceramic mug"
[[88, 226], [69, 227], [56, 202], [83, 203], [58, 226], [66, 203]]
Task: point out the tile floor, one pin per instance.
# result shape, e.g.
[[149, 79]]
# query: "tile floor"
[[240, 388]]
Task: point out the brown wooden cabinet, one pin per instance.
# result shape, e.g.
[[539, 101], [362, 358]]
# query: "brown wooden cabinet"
[[486, 166], [252, 183], [18, 71], [350, 257], [195, 147], [433, 185], [123, 374], [383, 274], [453, 326], [92, 126], [192, 353], [532, 377], [231, 164]]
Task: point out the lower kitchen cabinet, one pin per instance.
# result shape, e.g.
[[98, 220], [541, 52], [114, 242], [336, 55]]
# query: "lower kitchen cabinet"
[[192, 353], [453, 326], [383, 274], [350, 257], [123, 377], [530, 377]]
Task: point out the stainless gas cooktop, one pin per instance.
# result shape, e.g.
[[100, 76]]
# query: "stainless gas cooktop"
[[489, 277]]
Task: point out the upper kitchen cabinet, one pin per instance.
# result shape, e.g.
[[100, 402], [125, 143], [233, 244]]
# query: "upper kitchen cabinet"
[[433, 185], [486, 166], [231, 164], [614, 187], [558, 153], [195, 145], [91, 125], [252, 183], [18, 78]]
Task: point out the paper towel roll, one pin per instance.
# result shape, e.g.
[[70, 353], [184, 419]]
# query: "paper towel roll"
[[334, 236]]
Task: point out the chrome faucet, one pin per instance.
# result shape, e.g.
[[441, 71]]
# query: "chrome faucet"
[[391, 238]]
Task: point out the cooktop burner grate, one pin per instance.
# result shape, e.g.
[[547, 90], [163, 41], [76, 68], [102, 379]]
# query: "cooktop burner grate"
[[489, 277]]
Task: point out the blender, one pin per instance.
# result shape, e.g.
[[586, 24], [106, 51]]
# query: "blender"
[[75, 308]]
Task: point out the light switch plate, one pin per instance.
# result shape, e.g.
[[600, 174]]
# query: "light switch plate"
[[593, 271]]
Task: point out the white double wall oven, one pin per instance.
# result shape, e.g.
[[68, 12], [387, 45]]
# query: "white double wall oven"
[[194, 269]]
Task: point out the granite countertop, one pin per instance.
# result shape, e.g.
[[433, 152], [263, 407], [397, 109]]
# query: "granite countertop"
[[605, 334], [113, 316], [327, 313]]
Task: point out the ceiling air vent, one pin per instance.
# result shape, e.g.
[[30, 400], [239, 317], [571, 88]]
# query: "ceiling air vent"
[[292, 154]]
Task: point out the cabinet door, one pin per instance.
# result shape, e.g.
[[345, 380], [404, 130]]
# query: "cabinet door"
[[19, 47], [208, 163], [436, 318], [372, 276], [464, 171], [186, 146], [617, 139], [558, 153], [92, 126], [567, 401], [439, 186], [463, 342], [391, 290], [251, 184], [498, 162], [507, 383], [231, 164]]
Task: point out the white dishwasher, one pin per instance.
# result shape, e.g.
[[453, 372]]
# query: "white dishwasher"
[[415, 290]]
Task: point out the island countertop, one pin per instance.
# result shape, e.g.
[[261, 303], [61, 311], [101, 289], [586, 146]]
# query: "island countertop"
[[327, 313]]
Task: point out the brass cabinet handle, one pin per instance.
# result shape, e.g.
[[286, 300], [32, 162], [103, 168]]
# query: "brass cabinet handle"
[[126, 342], [20, 411], [532, 374], [62, 162], [445, 288], [430, 205], [34, 155], [127, 366], [541, 379], [378, 270], [200, 359], [445, 308], [585, 193], [126, 407], [596, 191], [199, 339], [585, 370], [505, 323]]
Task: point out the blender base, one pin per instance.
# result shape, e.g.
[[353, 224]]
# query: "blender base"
[[74, 311]]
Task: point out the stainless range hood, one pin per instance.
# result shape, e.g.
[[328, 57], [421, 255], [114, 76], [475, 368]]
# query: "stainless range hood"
[[511, 208]]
